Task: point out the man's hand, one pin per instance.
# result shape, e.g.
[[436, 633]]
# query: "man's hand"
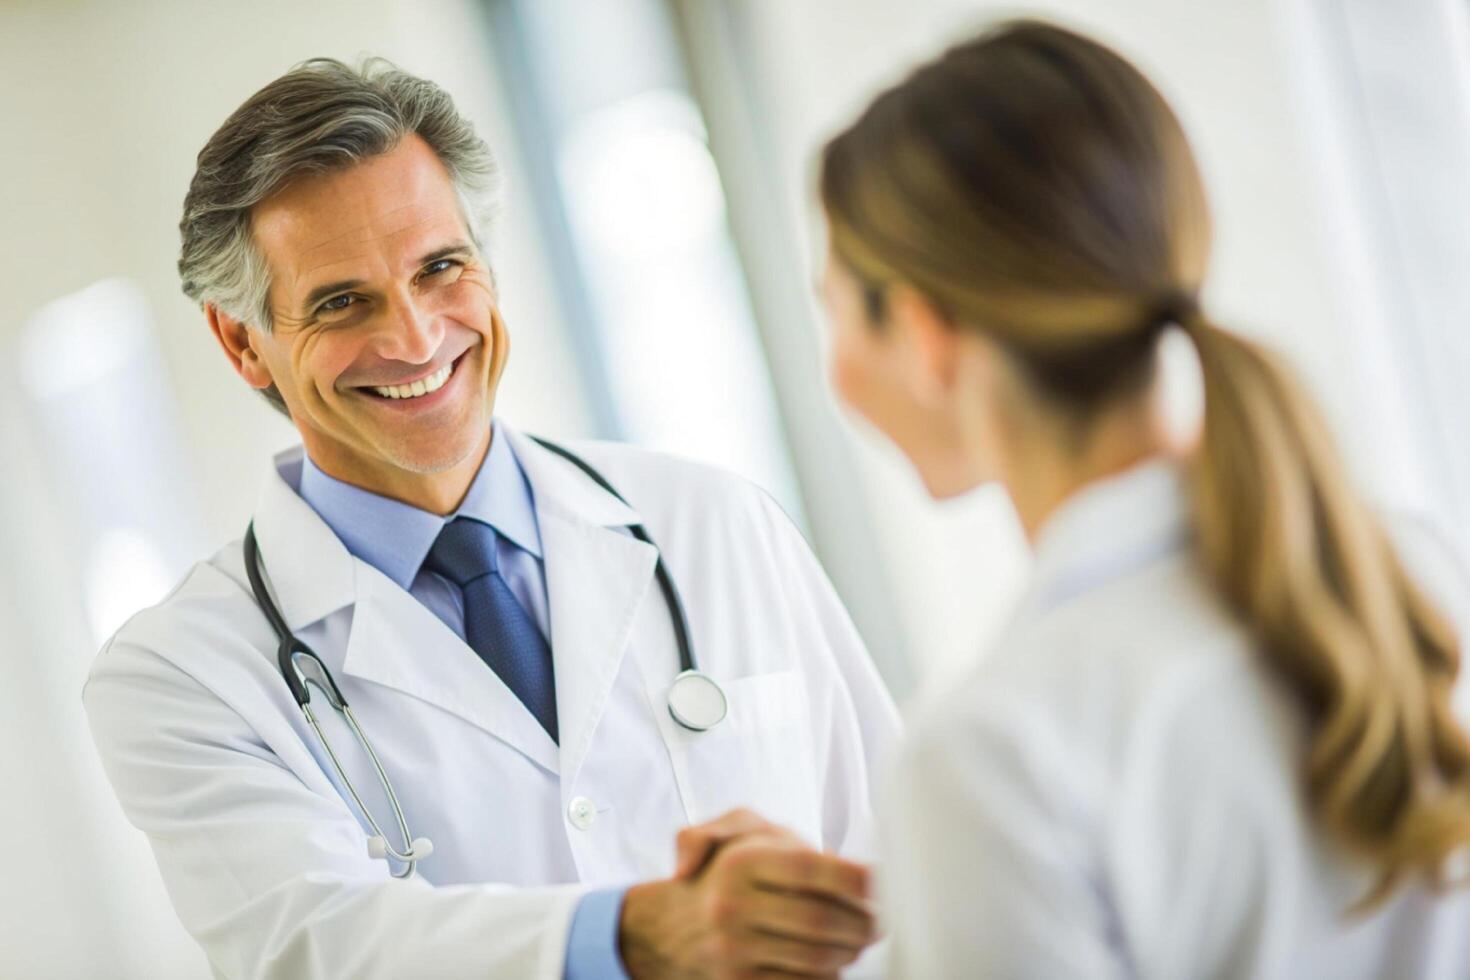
[[694, 846], [748, 899]]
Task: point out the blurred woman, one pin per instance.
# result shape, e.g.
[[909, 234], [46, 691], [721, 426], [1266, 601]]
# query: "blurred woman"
[[1218, 739]]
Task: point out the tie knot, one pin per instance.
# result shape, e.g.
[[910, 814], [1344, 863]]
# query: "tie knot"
[[463, 552]]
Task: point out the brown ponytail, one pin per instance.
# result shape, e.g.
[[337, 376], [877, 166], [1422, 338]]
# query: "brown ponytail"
[[1299, 555], [1038, 188]]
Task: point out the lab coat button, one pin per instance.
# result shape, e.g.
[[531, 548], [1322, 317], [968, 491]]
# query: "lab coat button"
[[581, 813]]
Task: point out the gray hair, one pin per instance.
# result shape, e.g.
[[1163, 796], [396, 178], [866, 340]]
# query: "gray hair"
[[320, 116]]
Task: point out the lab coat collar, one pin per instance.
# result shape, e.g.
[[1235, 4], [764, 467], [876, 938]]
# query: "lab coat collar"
[[597, 577], [310, 572], [1109, 529], [560, 488]]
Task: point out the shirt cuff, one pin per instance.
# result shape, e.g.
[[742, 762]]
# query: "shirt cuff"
[[592, 941]]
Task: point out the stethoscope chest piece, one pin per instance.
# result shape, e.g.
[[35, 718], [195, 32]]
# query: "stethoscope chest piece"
[[697, 701]]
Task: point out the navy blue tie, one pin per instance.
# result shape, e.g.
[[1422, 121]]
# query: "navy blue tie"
[[495, 625]]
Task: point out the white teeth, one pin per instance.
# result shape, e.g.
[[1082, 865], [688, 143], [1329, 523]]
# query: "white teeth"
[[423, 386]]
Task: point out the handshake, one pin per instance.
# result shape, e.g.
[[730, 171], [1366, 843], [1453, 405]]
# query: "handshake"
[[747, 898]]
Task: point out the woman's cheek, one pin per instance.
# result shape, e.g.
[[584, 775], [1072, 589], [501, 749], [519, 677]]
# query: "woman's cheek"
[[860, 375], [846, 376]]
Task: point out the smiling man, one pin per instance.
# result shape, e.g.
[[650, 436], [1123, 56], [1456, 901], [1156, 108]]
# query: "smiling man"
[[386, 343], [484, 605]]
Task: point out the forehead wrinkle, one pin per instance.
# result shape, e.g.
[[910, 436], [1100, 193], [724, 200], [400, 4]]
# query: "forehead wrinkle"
[[363, 235]]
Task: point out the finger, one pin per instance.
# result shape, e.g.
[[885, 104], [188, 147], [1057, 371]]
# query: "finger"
[[766, 952], [810, 918], [793, 867], [694, 845]]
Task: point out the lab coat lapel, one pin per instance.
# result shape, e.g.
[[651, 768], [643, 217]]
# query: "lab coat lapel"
[[597, 578], [397, 642]]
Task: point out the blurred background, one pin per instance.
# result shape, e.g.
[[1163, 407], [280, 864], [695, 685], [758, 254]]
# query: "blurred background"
[[656, 260]]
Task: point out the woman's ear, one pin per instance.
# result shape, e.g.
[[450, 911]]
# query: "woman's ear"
[[234, 338], [930, 342]]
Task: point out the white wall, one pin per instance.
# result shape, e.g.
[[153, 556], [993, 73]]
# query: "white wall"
[[1385, 102], [105, 105], [955, 569]]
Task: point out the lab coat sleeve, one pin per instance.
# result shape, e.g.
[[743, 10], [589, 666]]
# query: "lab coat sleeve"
[[272, 878], [984, 872]]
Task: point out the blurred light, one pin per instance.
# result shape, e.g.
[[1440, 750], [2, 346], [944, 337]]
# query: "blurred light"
[[117, 486], [647, 211], [125, 572], [78, 340], [641, 178]]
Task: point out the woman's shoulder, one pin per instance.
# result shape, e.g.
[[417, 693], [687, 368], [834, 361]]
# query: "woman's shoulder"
[[1141, 679], [1138, 730], [1160, 633]]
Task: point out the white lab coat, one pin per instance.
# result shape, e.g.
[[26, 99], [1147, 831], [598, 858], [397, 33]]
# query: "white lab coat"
[[267, 864], [1115, 790]]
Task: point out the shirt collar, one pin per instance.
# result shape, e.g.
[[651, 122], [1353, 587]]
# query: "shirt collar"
[[501, 496], [1109, 529], [395, 537]]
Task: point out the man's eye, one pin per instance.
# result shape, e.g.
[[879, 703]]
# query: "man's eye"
[[438, 266], [336, 304]]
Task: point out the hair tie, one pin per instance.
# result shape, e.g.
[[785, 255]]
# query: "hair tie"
[[1177, 307]]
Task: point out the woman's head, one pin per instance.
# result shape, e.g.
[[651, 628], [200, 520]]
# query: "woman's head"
[[1011, 229], [1023, 214]]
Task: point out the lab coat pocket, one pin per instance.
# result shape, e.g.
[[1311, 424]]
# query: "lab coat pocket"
[[760, 757]]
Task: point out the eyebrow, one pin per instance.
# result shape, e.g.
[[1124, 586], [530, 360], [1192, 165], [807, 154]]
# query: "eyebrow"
[[322, 292], [445, 252]]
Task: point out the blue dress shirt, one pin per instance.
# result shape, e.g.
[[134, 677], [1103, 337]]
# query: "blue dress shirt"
[[395, 538]]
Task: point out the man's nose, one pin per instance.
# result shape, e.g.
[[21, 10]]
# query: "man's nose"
[[409, 332]]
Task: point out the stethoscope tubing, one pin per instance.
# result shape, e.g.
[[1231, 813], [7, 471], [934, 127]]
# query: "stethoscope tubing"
[[660, 570]]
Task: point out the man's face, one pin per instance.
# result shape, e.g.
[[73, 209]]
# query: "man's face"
[[379, 296]]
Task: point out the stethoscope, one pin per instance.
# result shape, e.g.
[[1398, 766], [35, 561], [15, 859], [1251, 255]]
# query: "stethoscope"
[[696, 701]]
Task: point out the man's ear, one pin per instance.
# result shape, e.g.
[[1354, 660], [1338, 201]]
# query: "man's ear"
[[931, 341], [234, 337]]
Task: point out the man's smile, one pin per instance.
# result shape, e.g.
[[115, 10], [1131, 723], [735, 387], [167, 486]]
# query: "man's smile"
[[419, 387], [425, 389]]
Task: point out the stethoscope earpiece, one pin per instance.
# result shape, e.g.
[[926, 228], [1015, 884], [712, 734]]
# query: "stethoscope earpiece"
[[418, 849]]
